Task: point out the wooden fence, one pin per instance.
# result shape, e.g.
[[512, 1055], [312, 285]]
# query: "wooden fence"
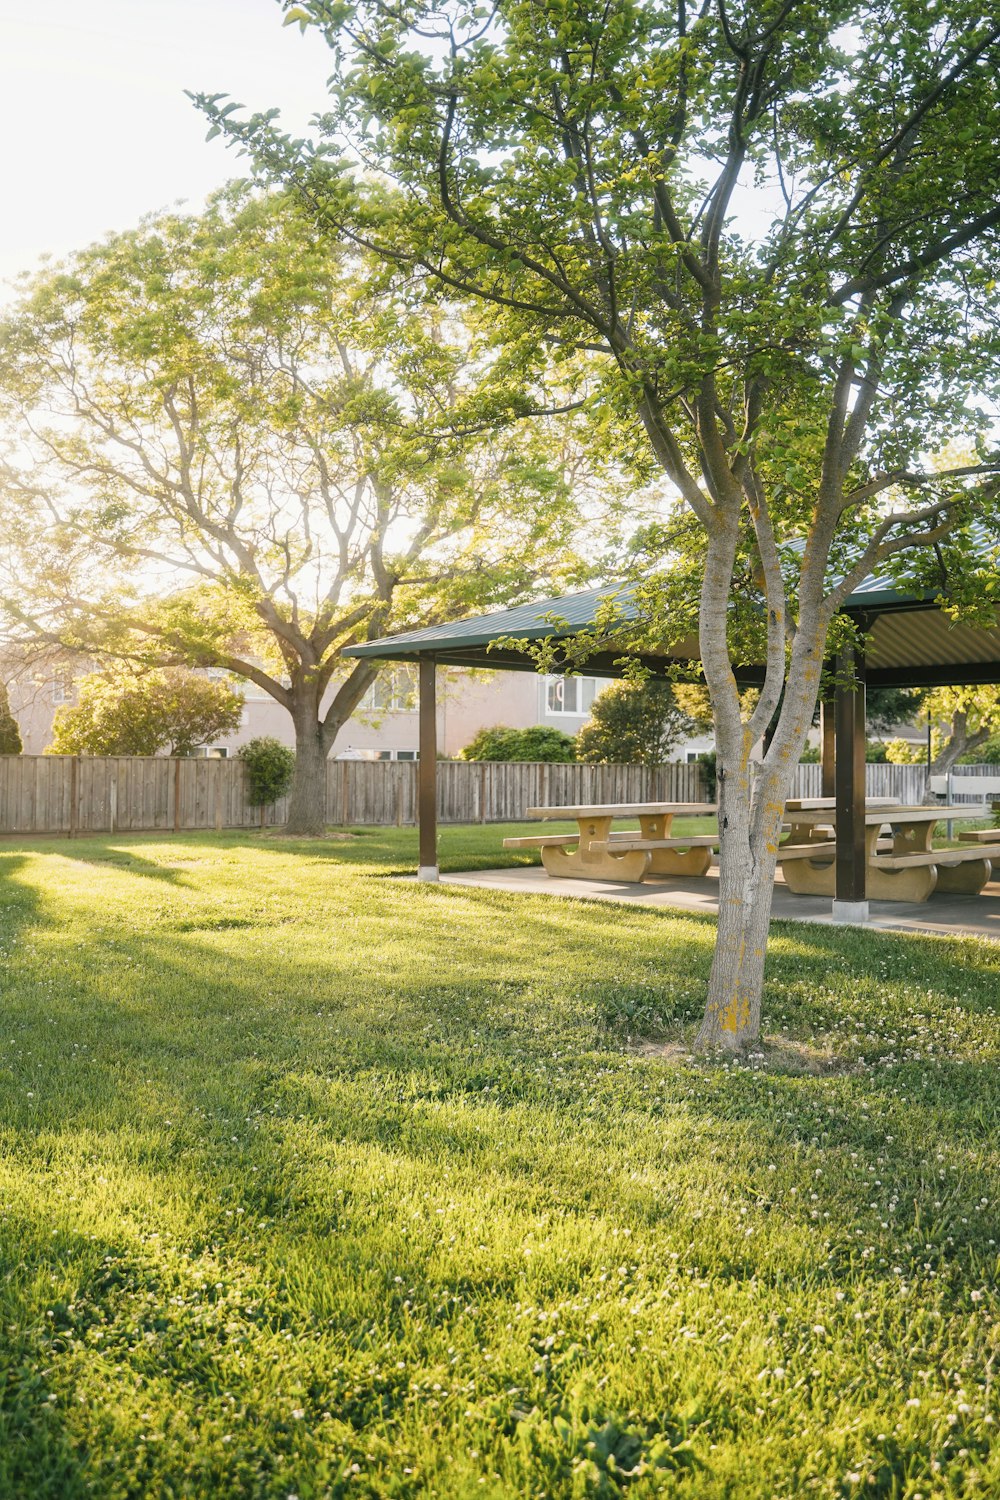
[[75, 795], [70, 795], [904, 782]]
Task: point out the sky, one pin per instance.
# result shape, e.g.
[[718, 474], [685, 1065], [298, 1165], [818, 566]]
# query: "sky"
[[96, 125]]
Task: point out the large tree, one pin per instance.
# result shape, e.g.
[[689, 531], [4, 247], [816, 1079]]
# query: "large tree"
[[776, 226], [232, 449]]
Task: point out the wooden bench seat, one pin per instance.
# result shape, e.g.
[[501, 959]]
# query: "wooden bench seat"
[[627, 842], [945, 857], [806, 851], [542, 841], [980, 835]]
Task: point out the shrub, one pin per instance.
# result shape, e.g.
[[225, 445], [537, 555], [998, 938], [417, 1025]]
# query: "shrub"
[[10, 735], [537, 743], [633, 723], [708, 761], [270, 766], [122, 712]]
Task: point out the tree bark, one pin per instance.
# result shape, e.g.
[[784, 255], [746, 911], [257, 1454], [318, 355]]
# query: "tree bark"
[[747, 860], [307, 802]]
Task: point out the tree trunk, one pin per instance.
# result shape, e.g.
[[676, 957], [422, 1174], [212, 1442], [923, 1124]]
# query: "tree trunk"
[[307, 803], [960, 742], [746, 889]]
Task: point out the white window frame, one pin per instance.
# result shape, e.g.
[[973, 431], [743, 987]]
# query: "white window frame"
[[398, 690], [579, 686]]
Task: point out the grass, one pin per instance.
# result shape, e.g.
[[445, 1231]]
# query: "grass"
[[318, 1183]]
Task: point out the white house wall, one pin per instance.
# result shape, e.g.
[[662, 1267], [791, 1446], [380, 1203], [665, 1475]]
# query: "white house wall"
[[467, 702]]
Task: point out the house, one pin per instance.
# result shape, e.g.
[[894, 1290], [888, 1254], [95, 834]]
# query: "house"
[[385, 725]]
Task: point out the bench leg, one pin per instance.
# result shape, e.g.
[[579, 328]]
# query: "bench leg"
[[914, 884], [966, 879], [679, 861], [807, 878], [585, 863], [582, 864]]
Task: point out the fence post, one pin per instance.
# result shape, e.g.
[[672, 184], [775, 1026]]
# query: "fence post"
[[343, 793], [218, 795], [113, 801], [177, 795], [74, 796]]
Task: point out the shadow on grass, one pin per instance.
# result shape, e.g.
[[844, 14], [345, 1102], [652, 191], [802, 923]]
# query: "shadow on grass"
[[458, 1043]]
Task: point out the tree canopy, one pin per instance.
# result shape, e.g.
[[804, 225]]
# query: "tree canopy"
[[128, 713], [230, 447], [776, 228], [539, 742], [10, 733], [633, 723]]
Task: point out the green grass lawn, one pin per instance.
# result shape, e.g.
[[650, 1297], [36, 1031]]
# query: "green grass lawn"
[[315, 1182]]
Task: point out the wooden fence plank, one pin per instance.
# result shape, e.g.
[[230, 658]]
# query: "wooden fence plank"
[[73, 795]]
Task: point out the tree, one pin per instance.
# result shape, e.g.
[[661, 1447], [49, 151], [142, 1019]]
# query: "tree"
[[231, 449], [537, 743], [885, 708], [10, 734], [633, 723], [589, 174], [122, 713], [971, 716]]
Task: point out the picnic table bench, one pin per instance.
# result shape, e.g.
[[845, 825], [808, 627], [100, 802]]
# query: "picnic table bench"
[[595, 852], [905, 868]]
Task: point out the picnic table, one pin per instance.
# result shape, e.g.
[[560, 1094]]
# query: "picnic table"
[[903, 867], [594, 852]]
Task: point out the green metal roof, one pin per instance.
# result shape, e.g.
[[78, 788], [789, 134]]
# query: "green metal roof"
[[912, 641]]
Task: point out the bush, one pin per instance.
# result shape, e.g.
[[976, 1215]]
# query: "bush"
[[270, 766], [122, 712], [537, 743], [633, 724], [708, 760], [10, 735]]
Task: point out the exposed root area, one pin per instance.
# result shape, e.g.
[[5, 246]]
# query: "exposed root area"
[[334, 836], [772, 1054]]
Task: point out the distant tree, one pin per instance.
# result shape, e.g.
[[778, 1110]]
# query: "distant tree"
[[965, 719], [633, 723], [10, 734], [535, 744], [885, 708], [123, 713]]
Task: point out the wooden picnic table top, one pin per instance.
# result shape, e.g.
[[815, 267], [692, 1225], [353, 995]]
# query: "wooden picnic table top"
[[626, 810], [896, 812], [798, 804]]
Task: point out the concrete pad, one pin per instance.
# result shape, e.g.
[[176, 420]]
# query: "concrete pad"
[[943, 915]]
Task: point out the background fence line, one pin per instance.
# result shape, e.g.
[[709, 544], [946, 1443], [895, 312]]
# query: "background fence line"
[[70, 795]]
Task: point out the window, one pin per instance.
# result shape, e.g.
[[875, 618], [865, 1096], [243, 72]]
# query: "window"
[[570, 695], [392, 692], [63, 690]]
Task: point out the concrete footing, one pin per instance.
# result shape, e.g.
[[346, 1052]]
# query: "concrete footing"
[[851, 913]]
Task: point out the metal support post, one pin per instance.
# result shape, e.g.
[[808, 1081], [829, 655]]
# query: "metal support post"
[[427, 772], [850, 904]]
